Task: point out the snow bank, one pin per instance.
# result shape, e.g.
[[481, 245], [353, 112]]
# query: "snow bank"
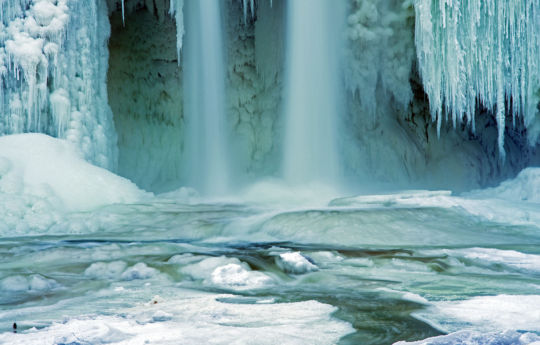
[[477, 338], [485, 314], [525, 187], [39, 165]]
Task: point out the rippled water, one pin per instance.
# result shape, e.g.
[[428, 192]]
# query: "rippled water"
[[374, 271]]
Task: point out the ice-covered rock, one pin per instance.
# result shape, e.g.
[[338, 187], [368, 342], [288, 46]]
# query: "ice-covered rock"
[[479, 338], [295, 263], [525, 187]]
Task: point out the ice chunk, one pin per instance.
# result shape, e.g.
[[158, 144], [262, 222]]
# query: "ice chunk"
[[32, 284], [235, 275], [486, 313], [104, 270], [294, 262], [139, 271], [223, 271], [477, 338]]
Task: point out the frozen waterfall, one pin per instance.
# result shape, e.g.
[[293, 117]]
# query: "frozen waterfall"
[[485, 52], [204, 98], [53, 67], [312, 92]]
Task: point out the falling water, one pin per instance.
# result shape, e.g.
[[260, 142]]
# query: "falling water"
[[204, 98], [313, 89]]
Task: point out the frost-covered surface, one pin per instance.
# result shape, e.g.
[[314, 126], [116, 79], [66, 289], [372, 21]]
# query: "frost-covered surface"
[[478, 338], [525, 187], [485, 52], [53, 66], [380, 53], [195, 318], [41, 177], [486, 313], [147, 106], [295, 263]]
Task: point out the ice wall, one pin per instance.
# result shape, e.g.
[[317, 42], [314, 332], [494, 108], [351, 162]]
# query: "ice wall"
[[145, 95], [480, 52], [53, 65], [254, 88], [380, 52]]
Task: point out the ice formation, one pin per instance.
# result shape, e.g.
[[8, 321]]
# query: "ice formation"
[[177, 10], [54, 82], [480, 52], [380, 53]]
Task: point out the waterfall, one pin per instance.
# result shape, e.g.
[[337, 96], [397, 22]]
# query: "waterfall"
[[312, 92], [204, 98]]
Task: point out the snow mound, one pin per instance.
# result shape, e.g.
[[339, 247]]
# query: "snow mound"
[[486, 314], [104, 270], [234, 275], [295, 263], [139, 271], [51, 169], [34, 284], [476, 338], [525, 187], [226, 272]]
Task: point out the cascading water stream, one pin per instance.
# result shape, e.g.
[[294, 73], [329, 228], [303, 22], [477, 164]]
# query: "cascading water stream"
[[204, 95], [313, 89]]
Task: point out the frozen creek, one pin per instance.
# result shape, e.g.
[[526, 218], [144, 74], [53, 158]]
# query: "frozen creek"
[[108, 107], [370, 269]]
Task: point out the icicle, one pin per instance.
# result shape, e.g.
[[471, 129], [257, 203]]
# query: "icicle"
[[251, 5], [471, 50], [177, 10], [53, 68], [123, 14]]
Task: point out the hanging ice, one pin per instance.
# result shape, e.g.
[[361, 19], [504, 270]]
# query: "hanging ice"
[[53, 67], [472, 51], [177, 11]]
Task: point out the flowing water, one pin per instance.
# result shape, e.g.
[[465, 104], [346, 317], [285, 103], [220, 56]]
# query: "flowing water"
[[204, 94], [313, 89], [364, 270]]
